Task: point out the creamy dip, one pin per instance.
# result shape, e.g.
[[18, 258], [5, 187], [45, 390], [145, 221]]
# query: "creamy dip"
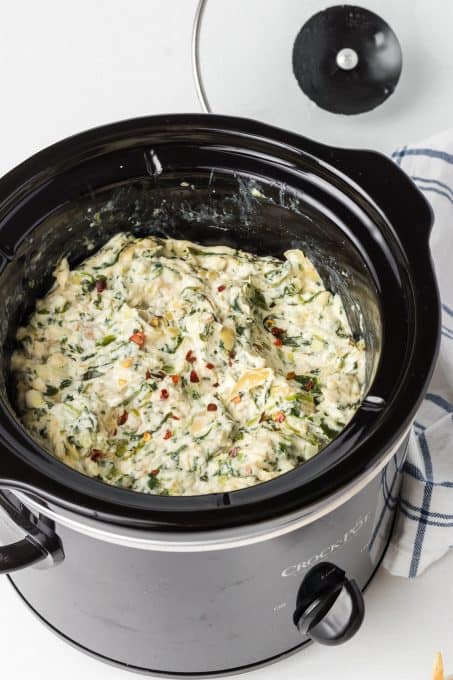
[[172, 368]]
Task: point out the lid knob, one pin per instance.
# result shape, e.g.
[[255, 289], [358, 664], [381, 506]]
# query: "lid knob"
[[347, 59], [329, 606]]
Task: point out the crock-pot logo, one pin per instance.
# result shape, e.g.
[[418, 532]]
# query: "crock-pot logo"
[[296, 568]]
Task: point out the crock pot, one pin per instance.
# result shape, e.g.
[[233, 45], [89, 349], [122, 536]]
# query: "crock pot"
[[217, 583]]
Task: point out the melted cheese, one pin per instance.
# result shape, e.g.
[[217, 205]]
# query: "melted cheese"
[[171, 368]]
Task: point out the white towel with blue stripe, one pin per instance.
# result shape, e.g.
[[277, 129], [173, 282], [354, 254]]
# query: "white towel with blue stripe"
[[424, 523]]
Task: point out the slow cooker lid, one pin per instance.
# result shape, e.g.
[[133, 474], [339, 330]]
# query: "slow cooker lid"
[[389, 222], [373, 74]]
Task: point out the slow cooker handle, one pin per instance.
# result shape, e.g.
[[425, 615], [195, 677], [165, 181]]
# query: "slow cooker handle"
[[40, 544], [21, 554], [391, 188]]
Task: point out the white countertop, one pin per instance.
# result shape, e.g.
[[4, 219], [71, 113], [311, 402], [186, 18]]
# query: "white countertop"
[[71, 65]]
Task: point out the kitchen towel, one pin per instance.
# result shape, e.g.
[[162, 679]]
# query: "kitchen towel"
[[424, 522]]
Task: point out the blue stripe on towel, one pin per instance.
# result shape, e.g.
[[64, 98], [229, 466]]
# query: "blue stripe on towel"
[[435, 191], [416, 473], [424, 522], [399, 155], [427, 494], [427, 180], [433, 515], [413, 471], [439, 401], [431, 153]]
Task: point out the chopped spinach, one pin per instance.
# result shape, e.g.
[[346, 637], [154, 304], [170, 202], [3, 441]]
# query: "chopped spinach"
[[328, 431], [106, 340], [91, 373], [257, 298], [153, 481], [64, 308]]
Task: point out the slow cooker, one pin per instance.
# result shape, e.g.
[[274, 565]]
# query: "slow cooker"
[[222, 582]]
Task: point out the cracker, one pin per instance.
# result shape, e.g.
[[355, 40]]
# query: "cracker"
[[438, 668]]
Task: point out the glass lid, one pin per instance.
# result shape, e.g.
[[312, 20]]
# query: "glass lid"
[[370, 76]]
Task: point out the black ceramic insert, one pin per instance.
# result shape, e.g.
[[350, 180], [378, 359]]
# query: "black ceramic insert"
[[355, 213], [347, 59]]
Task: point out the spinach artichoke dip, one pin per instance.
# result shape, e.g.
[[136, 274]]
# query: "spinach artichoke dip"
[[171, 368]]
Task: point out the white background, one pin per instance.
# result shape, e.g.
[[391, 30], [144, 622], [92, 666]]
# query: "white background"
[[66, 66]]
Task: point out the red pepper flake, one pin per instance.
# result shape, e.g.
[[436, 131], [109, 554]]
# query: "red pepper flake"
[[309, 385], [175, 417], [231, 355], [175, 379], [233, 452], [291, 375], [212, 407], [221, 288], [277, 331], [154, 472], [164, 394], [278, 342], [122, 418], [194, 377], [148, 375], [138, 337], [168, 434], [96, 454], [189, 357], [100, 284], [209, 365], [279, 417]]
